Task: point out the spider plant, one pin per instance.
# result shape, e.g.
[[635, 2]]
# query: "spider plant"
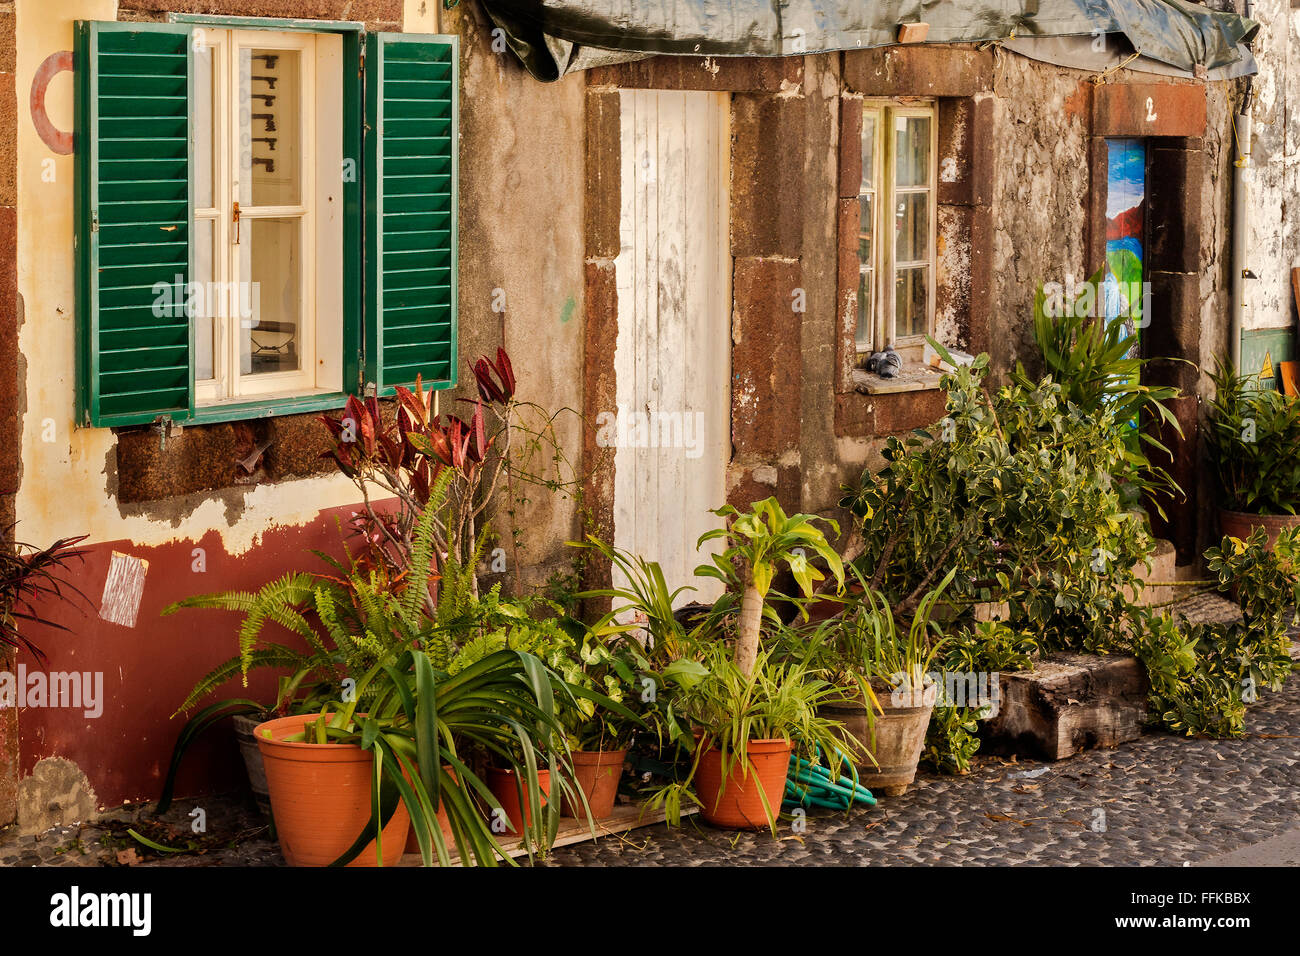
[[420, 723], [728, 708]]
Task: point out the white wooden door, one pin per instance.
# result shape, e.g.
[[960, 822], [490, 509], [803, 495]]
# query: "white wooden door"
[[673, 355]]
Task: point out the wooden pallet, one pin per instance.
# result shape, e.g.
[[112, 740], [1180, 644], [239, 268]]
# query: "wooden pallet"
[[627, 816]]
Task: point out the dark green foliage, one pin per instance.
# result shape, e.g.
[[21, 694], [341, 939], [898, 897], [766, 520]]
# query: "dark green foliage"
[[1253, 435], [1014, 492]]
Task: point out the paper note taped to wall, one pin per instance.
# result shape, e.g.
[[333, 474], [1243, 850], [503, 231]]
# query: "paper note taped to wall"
[[123, 589]]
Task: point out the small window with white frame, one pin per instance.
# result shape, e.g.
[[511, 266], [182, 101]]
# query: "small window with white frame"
[[268, 226], [896, 239]]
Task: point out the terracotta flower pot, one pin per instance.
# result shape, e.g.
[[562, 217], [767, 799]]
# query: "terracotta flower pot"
[[596, 773], [738, 806], [320, 797], [1239, 524], [413, 844], [503, 787], [899, 737]]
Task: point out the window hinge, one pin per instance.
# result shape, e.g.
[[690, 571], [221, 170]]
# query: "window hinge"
[[94, 222], [369, 390]]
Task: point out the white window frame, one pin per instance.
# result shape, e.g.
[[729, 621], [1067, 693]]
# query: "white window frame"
[[881, 311], [319, 336]]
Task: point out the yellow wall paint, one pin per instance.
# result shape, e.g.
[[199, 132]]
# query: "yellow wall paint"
[[420, 16], [63, 488]]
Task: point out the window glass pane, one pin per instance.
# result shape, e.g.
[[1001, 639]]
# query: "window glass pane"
[[270, 127], [868, 202], [204, 131], [912, 227], [868, 151], [865, 289], [207, 306], [271, 253], [911, 301], [912, 150]]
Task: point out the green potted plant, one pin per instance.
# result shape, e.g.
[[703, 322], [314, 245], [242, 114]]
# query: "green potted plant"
[[341, 778], [599, 736], [890, 671], [1253, 434], [743, 729]]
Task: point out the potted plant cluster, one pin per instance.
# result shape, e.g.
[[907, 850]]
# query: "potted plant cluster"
[[890, 672], [1253, 434]]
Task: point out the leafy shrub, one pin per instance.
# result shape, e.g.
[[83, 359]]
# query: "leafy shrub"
[[1253, 436], [1015, 492]]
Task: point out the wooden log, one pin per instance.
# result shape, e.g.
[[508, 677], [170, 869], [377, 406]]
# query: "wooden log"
[[1067, 703]]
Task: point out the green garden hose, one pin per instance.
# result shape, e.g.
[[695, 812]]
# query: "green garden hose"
[[811, 785]]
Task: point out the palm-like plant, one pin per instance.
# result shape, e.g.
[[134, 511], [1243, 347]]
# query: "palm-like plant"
[[758, 542]]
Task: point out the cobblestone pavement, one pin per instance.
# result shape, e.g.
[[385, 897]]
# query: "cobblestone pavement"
[[1160, 800]]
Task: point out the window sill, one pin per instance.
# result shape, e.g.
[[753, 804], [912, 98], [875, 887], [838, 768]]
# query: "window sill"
[[912, 377], [242, 411]]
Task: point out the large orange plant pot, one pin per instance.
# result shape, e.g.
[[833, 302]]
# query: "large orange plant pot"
[[503, 787], [596, 773], [739, 806], [320, 797]]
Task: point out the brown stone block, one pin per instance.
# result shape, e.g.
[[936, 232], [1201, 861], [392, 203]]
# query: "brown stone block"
[[599, 391], [850, 147], [717, 74], [748, 483], [198, 458], [767, 159], [766, 361], [8, 41], [854, 416], [1149, 109], [604, 174], [902, 411], [954, 143], [979, 315], [8, 141], [297, 443], [930, 70], [366, 11], [850, 220]]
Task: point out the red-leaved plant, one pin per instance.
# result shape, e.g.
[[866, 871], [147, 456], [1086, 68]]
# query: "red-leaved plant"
[[404, 454]]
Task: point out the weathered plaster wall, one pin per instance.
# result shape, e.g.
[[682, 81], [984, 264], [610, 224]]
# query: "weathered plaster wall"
[[1273, 242], [521, 245], [521, 208], [1040, 207]]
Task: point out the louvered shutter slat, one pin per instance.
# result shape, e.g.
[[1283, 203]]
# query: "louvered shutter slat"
[[411, 196], [133, 161]]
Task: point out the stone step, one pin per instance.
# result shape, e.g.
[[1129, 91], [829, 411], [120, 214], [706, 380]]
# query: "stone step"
[[1067, 703]]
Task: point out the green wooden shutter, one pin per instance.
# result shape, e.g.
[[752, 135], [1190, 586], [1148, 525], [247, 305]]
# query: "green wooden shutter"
[[133, 146], [411, 195]]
